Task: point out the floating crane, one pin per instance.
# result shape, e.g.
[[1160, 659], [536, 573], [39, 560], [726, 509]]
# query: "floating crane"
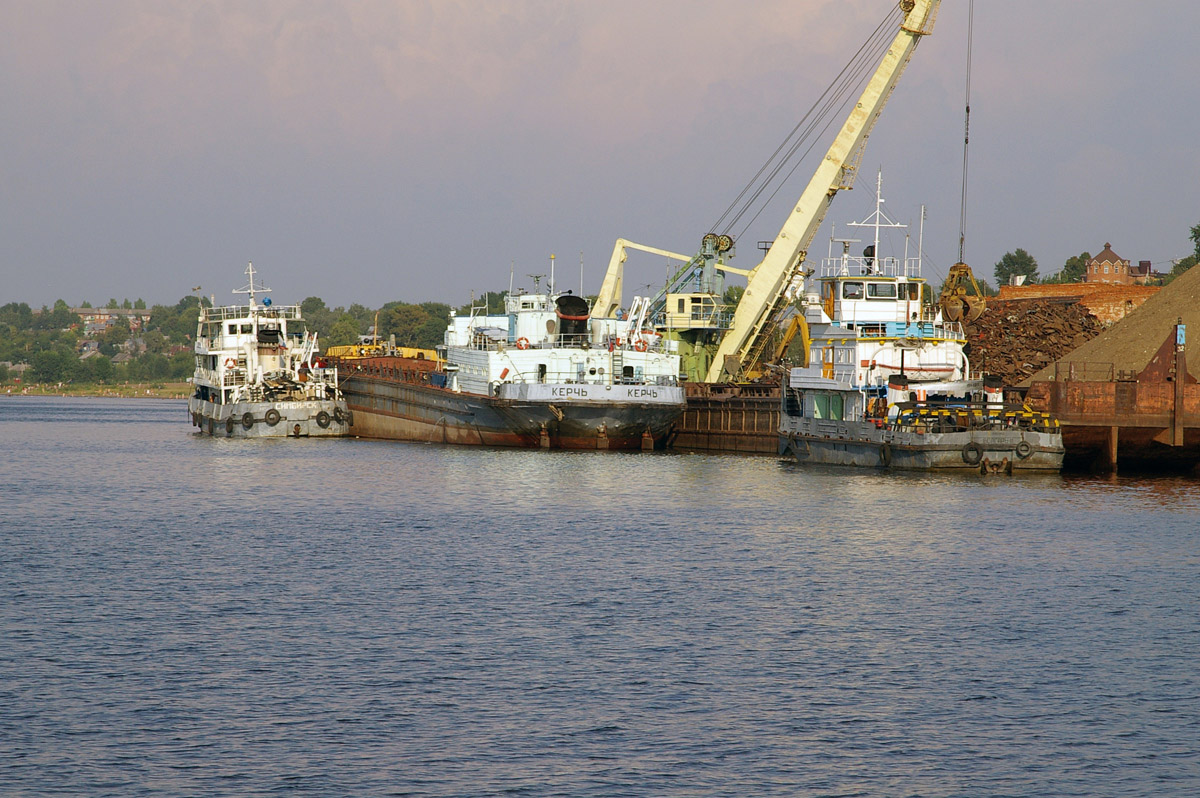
[[717, 347]]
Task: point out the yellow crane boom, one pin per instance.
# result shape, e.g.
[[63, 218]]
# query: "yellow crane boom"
[[766, 288]]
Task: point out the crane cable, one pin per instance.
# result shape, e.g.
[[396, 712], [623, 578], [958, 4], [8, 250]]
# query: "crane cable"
[[962, 210], [836, 96]]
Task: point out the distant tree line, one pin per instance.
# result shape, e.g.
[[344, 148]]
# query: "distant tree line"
[[53, 341]]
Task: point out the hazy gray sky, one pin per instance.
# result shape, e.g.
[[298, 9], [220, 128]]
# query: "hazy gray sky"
[[372, 151]]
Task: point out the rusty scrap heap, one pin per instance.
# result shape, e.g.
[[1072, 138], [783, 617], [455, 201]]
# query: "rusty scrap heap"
[[1014, 339]]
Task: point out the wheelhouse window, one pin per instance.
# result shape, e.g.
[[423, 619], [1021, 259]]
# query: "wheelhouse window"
[[881, 290], [852, 290]]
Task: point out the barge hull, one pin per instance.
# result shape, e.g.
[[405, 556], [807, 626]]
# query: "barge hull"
[[964, 452], [728, 418], [395, 409]]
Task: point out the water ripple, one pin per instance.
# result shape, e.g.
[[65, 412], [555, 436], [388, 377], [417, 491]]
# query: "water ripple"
[[185, 615]]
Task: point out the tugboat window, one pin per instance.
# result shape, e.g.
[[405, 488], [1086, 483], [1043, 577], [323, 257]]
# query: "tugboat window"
[[852, 290], [881, 290]]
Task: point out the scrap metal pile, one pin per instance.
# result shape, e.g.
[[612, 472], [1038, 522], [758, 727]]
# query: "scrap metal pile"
[[1015, 339]]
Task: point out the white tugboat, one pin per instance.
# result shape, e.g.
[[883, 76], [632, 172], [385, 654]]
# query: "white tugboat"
[[255, 378], [888, 382]]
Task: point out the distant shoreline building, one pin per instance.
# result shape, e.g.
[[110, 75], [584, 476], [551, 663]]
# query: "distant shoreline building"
[[100, 319], [1109, 267]]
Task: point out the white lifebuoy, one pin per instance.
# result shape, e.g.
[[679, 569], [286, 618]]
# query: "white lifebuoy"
[[640, 345], [230, 363], [522, 343]]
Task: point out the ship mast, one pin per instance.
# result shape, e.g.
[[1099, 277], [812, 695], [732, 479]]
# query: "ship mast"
[[250, 288]]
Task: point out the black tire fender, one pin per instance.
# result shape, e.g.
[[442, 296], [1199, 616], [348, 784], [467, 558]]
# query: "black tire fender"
[[885, 454], [972, 453], [1024, 450], [247, 419], [271, 417], [323, 420]]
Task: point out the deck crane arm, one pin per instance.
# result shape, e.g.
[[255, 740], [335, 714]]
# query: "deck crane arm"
[[766, 289], [609, 298]]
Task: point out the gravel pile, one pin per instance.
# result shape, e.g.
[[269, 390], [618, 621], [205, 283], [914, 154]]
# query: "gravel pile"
[[1130, 344]]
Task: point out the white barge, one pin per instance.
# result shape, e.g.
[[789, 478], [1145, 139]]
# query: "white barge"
[[545, 373]]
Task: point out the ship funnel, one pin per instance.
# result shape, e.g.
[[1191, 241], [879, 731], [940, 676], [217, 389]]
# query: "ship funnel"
[[572, 314]]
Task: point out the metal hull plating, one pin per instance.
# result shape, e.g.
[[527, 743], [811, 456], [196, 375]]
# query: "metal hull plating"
[[395, 409], [856, 443], [291, 419]]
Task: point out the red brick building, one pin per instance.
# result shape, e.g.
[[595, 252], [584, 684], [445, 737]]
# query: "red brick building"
[[1109, 267]]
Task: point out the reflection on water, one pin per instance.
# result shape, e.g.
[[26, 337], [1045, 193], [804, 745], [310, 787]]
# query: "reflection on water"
[[185, 614]]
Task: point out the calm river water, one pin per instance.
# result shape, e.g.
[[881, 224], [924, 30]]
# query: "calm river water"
[[182, 615]]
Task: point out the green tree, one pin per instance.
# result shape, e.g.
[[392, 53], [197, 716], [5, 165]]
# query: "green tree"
[[61, 318], [1014, 264], [112, 304], [433, 332], [18, 315], [317, 317], [183, 364], [155, 341], [1074, 270], [52, 365], [1181, 266], [1195, 236], [100, 368], [139, 304], [153, 366], [405, 322], [492, 300], [343, 332], [112, 338]]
